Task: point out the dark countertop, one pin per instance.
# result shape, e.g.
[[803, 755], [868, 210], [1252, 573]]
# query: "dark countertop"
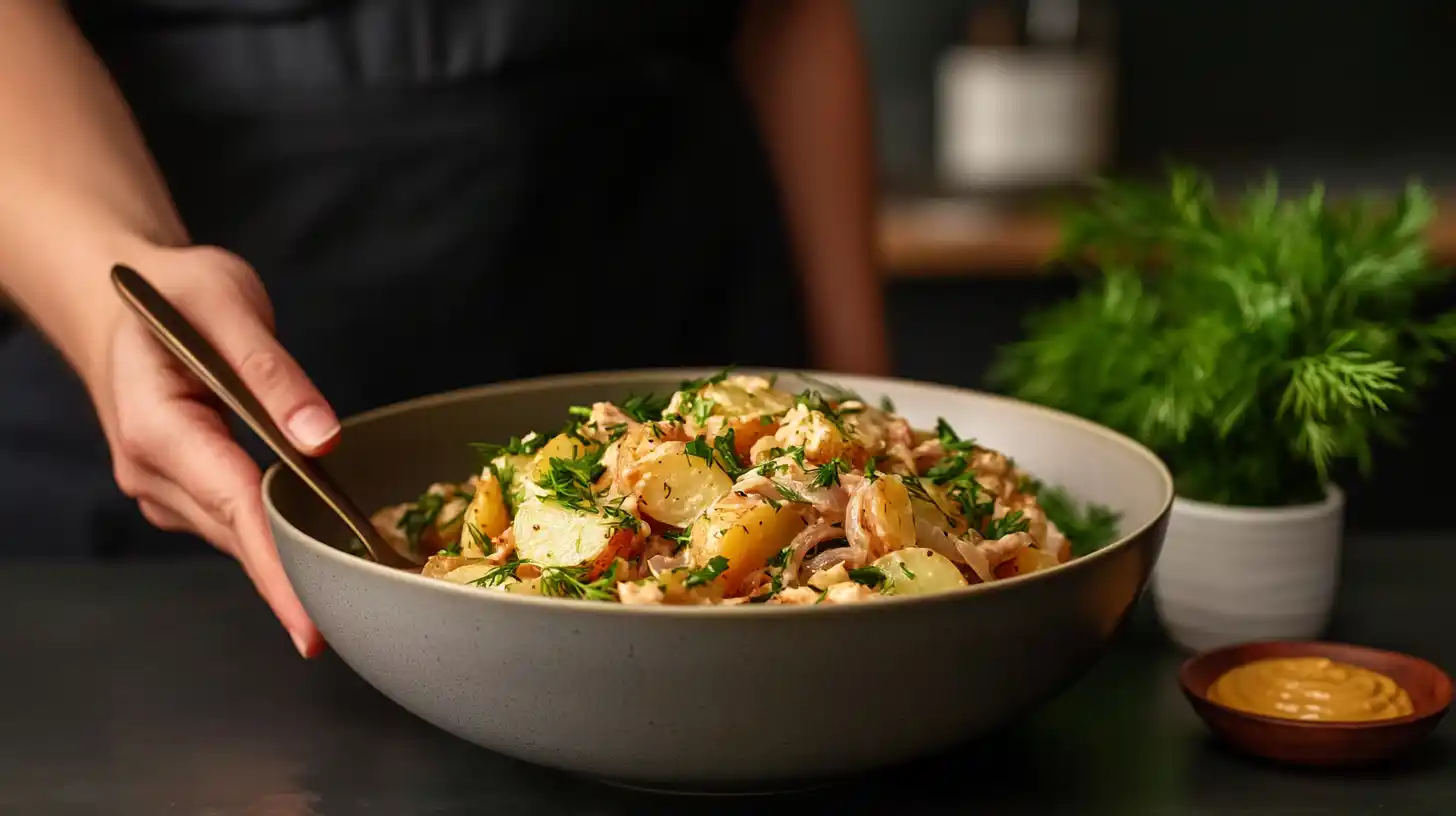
[[165, 687]]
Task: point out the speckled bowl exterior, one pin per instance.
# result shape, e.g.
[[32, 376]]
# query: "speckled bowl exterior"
[[707, 697]]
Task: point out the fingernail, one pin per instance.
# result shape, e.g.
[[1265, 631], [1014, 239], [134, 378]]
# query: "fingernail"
[[312, 426], [299, 644]]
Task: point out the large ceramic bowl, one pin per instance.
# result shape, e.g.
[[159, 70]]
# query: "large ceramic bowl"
[[712, 697]]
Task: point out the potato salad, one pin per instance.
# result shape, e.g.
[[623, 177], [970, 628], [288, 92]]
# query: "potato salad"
[[732, 491]]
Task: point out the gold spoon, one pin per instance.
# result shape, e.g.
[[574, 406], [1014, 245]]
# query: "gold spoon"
[[181, 338]]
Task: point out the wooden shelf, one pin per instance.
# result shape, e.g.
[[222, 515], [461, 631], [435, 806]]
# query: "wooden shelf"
[[937, 238]]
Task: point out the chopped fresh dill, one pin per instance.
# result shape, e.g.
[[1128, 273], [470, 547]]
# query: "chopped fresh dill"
[[872, 470], [827, 474], [618, 517], [496, 576], [916, 489], [517, 446], [481, 540], [570, 582], [568, 482], [790, 494], [420, 517]]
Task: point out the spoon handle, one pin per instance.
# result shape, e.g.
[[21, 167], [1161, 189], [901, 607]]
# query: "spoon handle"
[[183, 340]]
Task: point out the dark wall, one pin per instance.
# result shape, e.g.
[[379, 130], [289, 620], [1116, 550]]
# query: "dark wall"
[[1350, 88]]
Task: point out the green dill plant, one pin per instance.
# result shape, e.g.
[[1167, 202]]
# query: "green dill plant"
[[1255, 348]]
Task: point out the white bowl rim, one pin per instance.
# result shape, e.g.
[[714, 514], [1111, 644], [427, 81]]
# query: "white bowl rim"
[[1333, 501], [713, 611]]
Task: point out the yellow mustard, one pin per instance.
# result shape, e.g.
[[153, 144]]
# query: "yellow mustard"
[[1310, 688]]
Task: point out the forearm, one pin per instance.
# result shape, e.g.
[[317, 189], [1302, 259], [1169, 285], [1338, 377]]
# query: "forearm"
[[80, 190], [805, 74]]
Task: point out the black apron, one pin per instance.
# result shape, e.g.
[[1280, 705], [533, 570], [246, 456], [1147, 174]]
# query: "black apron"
[[436, 194]]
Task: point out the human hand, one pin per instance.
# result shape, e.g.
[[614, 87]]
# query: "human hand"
[[172, 451]]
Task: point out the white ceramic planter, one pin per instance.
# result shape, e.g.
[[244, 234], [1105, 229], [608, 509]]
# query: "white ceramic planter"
[[1235, 574]]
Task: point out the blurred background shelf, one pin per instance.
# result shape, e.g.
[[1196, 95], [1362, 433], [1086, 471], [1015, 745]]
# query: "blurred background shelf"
[[947, 237]]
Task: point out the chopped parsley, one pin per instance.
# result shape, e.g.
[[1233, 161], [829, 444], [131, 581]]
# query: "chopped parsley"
[[727, 449], [948, 469], [781, 558], [716, 566], [950, 440], [872, 577], [679, 540], [1013, 522], [975, 503], [887, 405], [701, 449], [645, 408]]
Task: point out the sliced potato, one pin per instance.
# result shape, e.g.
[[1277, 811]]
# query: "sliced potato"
[[939, 510], [560, 446], [441, 565], [676, 488], [486, 515], [918, 571], [468, 573], [890, 514], [519, 586], [746, 532], [554, 536]]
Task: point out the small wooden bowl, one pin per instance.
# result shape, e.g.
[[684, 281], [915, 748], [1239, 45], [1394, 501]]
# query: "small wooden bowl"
[[1319, 743]]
